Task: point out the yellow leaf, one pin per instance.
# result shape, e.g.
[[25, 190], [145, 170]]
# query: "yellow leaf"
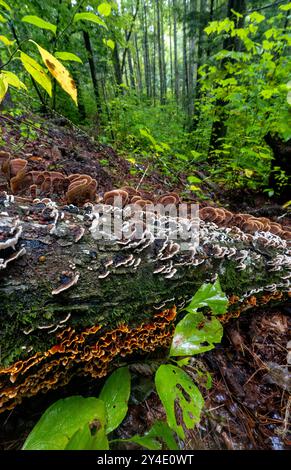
[[59, 72], [3, 88], [6, 41], [249, 173], [12, 79], [37, 72], [194, 188]]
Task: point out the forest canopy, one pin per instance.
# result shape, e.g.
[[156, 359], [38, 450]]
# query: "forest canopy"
[[216, 74]]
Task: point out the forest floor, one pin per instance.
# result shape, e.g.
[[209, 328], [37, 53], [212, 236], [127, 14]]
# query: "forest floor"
[[249, 404]]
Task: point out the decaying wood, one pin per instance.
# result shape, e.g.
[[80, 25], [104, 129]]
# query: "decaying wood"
[[64, 292]]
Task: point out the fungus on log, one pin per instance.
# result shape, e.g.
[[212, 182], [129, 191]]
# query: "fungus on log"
[[72, 302]]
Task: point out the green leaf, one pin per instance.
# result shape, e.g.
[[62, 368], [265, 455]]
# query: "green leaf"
[[175, 387], [68, 56], [62, 420], [3, 88], [13, 80], [2, 19], [88, 16], [104, 9], [194, 179], [40, 23], [209, 295], [256, 17], [109, 43], [195, 334], [91, 437], [37, 72], [6, 41], [152, 440], [115, 394], [5, 5], [285, 7]]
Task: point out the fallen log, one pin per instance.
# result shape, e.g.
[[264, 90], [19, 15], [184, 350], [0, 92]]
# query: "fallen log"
[[75, 297]]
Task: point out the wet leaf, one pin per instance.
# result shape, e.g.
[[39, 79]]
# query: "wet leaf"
[[209, 295], [115, 394], [175, 386], [195, 334], [62, 420]]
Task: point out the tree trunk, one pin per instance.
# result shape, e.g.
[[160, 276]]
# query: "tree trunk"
[[185, 58], [71, 303], [89, 50], [176, 66], [160, 53]]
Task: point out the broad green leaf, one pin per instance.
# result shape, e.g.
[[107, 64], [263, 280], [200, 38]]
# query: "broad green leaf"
[[115, 394], [91, 437], [209, 295], [37, 72], [285, 7], [159, 434], [3, 88], [256, 17], [68, 56], [62, 420], [175, 387], [88, 16], [39, 22], [59, 72], [104, 9], [195, 334], [13, 80], [109, 43], [5, 5], [6, 41], [2, 19]]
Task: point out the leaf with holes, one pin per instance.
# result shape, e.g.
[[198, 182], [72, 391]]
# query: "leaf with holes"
[[87, 16], [68, 56], [209, 295], [37, 72], [195, 334], [176, 389], [59, 72], [158, 437], [39, 22], [115, 394], [62, 420]]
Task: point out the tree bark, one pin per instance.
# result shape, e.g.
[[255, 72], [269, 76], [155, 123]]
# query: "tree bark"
[[88, 47]]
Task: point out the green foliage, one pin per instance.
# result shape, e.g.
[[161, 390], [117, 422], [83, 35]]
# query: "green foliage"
[[115, 395], [62, 420], [176, 388], [78, 423]]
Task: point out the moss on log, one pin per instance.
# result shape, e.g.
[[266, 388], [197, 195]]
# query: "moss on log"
[[61, 284]]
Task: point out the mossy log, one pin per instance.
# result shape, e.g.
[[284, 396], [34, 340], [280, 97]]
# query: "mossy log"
[[72, 302]]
